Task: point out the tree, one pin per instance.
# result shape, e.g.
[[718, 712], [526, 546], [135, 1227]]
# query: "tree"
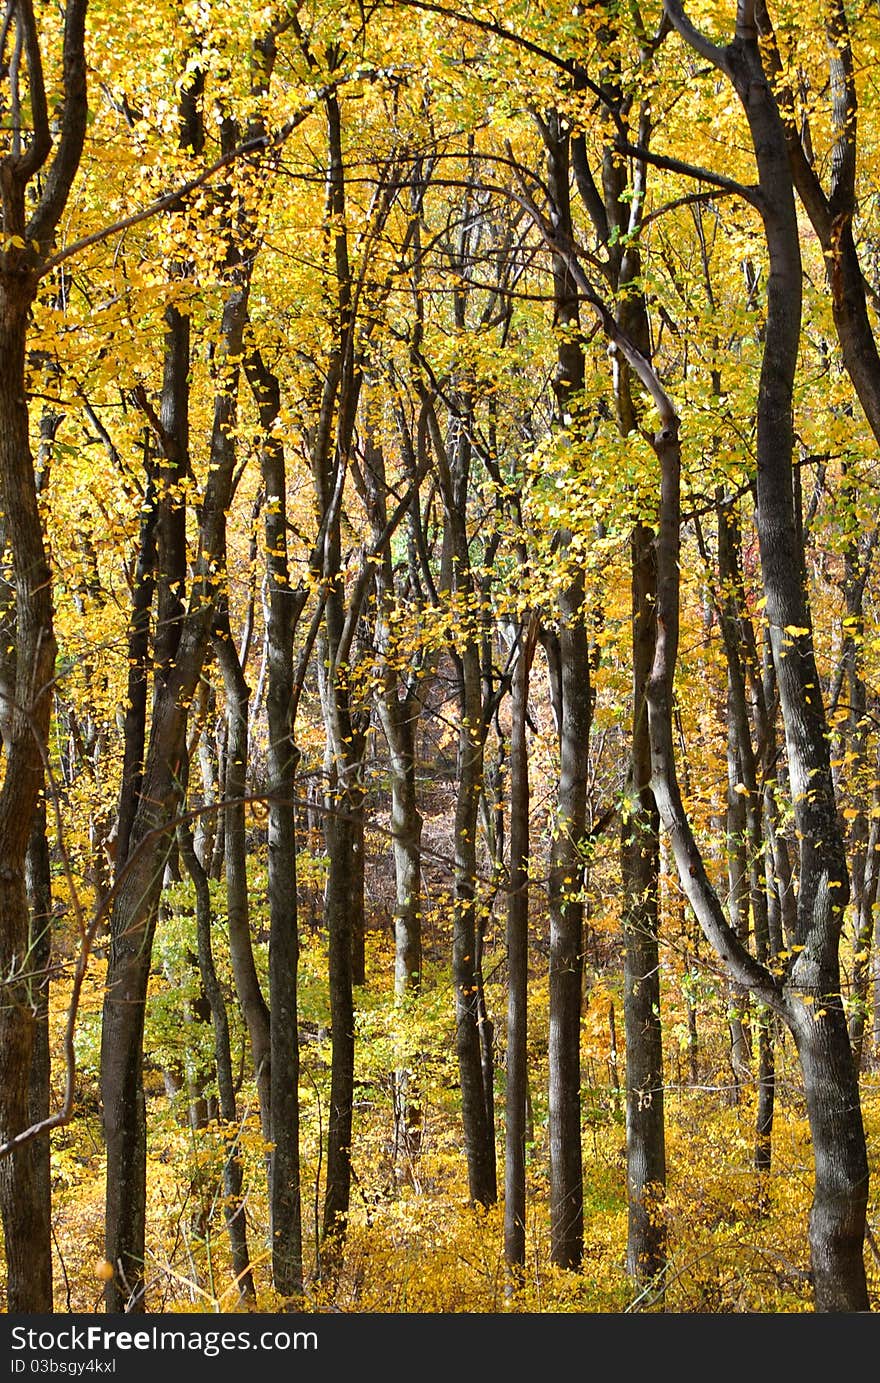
[[33, 201], [139, 874], [810, 997]]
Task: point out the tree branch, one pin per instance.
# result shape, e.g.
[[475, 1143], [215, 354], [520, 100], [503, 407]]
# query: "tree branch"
[[694, 39], [38, 150], [752, 195], [63, 168], [165, 203]]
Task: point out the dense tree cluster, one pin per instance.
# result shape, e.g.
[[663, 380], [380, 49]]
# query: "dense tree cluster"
[[438, 505]]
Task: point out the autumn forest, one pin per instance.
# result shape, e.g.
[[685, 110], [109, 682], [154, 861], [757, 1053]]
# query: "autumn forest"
[[439, 656]]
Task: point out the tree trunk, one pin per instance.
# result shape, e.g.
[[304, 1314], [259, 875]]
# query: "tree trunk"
[[398, 722], [25, 705], [337, 1194], [138, 873], [39, 889], [478, 1134], [244, 970], [572, 679], [837, 1214], [746, 807], [284, 609], [31, 211], [135, 722], [837, 1221], [398, 709], [566, 937], [358, 867], [645, 1123], [518, 962], [233, 1174]]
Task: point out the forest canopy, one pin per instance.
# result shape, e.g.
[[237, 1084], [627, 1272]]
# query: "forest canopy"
[[439, 663]]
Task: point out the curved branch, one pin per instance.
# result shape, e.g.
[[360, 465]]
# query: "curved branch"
[[703, 898], [38, 150], [694, 38], [491, 26], [63, 168]]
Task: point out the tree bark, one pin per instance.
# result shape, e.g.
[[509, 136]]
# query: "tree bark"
[[478, 1134], [26, 673], [337, 914], [244, 970], [515, 1111], [572, 678], [285, 605], [397, 704], [39, 889], [645, 1122], [25, 711], [233, 1172], [566, 937]]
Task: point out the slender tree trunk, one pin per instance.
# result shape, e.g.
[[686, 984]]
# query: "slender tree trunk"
[[478, 1134], [331, 452], [233, 1173], [139, 873], [285, 1196], [572, 677], [518, 962], [39, 889], [566, 937], [645, 1121], [398, 722], [31, 210], [358, 872], [244, 970], [738, 906], [345, 745], [337, 913], [860, 1029], [746, 806], [284, 609], [397, 705], [122, 1088], [135, 722]]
